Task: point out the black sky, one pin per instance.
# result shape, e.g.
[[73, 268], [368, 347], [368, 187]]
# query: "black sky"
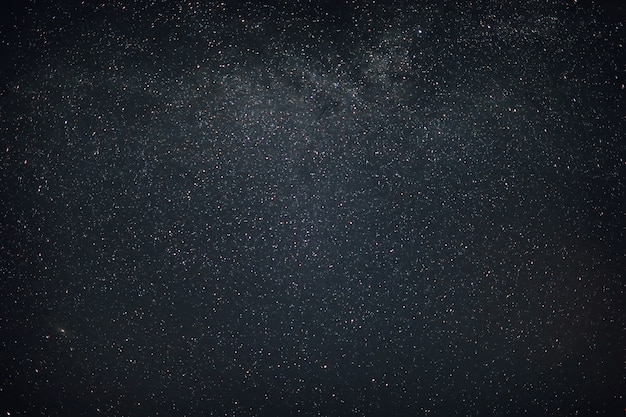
[[312, 208]]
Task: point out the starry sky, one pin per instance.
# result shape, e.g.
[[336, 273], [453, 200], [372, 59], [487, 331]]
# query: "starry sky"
[[327, 208]]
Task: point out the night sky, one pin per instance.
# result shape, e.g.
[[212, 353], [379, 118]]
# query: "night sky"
[[326, 208]]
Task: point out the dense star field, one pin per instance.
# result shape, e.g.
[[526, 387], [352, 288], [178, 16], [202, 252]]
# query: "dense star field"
[[312, 208]]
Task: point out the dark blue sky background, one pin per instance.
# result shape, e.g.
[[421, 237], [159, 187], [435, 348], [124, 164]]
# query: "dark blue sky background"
[[325, 209]]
